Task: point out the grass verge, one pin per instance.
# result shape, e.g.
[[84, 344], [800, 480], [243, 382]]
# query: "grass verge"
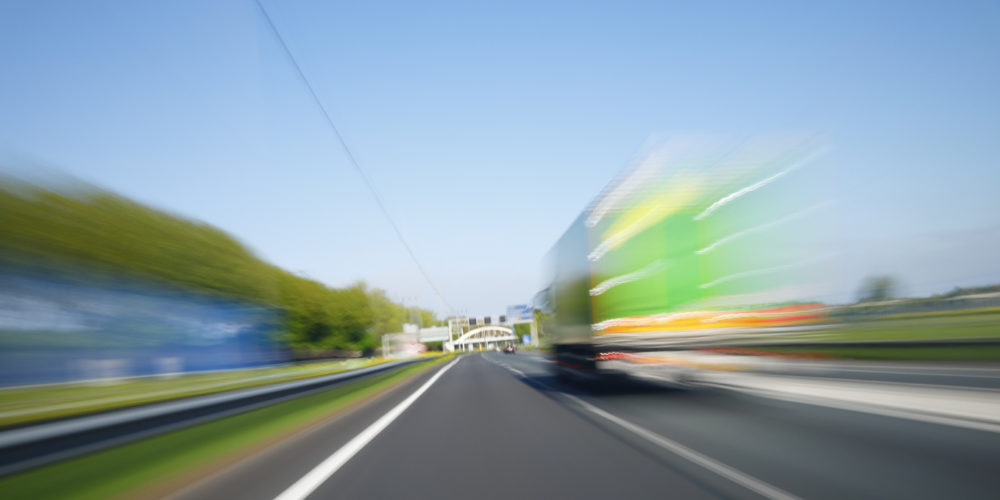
[[127, 470], [914, 353], [978, 324], [30, 404]]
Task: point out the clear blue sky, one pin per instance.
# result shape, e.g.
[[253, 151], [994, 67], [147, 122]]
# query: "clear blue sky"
[[488, 126]]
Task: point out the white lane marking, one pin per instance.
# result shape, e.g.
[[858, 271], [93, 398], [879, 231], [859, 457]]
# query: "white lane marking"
[[740, 478], [749, 482], [505, 365], [974, 408], [308, 483], [863, 408]]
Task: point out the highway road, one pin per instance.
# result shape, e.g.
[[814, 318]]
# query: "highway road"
[[500, 426]]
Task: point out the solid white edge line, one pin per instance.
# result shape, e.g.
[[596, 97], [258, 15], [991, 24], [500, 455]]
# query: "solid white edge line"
[[749, 482], [930, 418], [327, 468]]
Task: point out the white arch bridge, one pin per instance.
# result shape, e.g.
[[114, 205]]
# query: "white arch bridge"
[[484, 337]]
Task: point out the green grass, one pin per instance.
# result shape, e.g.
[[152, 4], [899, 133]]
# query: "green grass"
[[929, 353], [976, 324], [130, 469], [931, 314], [28, 404], [968, 324]]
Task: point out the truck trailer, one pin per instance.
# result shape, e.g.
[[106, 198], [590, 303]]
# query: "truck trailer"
[[701, 243]]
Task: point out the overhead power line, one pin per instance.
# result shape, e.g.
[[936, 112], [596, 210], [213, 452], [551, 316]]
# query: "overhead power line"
[[350, 155]]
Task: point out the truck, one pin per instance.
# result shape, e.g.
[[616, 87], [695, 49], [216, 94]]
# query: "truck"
[[701, 243]]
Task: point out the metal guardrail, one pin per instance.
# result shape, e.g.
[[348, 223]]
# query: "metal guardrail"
[[34, 445]]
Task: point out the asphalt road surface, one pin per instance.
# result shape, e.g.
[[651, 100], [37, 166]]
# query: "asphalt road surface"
[[500, 426]]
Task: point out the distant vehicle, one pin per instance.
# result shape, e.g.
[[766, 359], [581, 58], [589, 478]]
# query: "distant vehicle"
[[508, 349]]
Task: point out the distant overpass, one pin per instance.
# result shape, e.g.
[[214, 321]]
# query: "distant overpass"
[[483, 337], [463, 333]]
